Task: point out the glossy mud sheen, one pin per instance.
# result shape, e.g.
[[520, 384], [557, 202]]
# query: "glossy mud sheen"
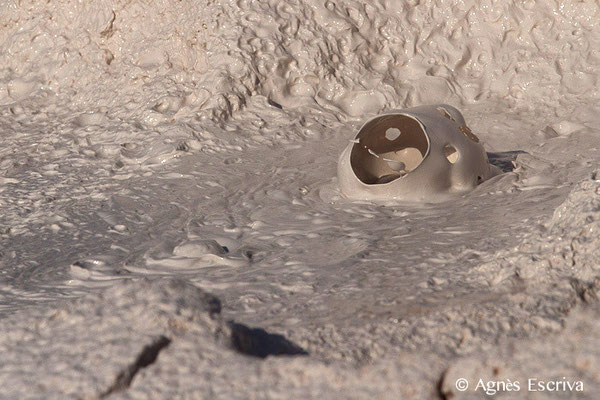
[[195, 143]]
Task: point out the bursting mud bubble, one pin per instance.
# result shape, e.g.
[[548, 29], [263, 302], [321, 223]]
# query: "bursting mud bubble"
[[420, 154]]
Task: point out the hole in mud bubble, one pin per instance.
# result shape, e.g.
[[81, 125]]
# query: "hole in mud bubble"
[[469, 133], [257, 342], [445, 113], [377, 159], [479, 180], [450, 153], [463, 128], [392, 134]]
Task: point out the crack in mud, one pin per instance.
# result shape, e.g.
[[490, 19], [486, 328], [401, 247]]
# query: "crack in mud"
[[254, 342], [147, 357]]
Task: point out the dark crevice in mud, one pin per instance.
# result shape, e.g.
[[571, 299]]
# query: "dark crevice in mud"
[[275, 104], [586, 291], [504, 159], [443, 395], [257, 342], [147, 357]]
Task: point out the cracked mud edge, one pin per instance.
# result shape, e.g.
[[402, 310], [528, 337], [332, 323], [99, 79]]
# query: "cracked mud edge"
[[147, 357], [254, 342]]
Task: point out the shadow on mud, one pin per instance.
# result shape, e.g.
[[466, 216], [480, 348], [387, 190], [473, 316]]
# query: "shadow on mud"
[[504, 159], [260, 343]]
